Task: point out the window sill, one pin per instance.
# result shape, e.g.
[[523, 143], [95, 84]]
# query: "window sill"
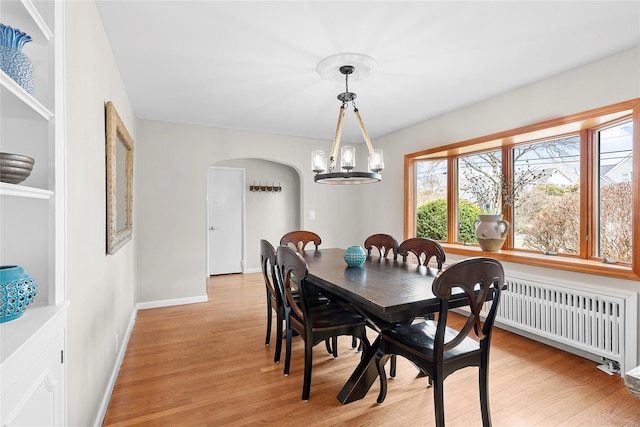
[[549, 261]]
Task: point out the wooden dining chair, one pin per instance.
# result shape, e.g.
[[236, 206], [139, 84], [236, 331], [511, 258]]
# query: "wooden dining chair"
[[274, 296], [439, 350], [385, 243], [313, 322], [300, 238], [424, 249]]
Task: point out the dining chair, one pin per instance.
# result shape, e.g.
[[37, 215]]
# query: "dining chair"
[[424, 249], [385, 243], [274, 297], [439, 350], [313, 322], [300, 239]]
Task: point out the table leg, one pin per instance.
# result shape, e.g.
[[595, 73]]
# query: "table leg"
[[362, 378]]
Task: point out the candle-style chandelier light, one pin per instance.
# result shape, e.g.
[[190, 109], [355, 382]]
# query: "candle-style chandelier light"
[[346, 174]]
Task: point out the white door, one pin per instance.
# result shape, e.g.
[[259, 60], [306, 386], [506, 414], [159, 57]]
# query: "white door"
[[225, 228]]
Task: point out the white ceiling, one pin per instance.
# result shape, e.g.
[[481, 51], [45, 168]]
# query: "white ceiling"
[[252, 65]]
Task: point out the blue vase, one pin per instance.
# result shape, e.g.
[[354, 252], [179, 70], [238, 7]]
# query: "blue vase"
[[355, 256], [17, 291], [12, 61]]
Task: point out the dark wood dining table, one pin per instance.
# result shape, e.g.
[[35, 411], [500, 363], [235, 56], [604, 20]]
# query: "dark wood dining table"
[[387, 292]]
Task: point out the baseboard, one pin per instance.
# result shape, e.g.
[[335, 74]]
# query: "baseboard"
[[104, 404], [170, 302]]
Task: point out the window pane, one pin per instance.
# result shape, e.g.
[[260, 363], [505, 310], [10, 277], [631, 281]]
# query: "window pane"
[[431, 185], [479, 190], [547, 196], [615, 202]]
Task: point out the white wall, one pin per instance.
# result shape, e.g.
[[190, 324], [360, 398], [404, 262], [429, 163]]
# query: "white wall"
[[268, 214], [172, 161], [100, 287]]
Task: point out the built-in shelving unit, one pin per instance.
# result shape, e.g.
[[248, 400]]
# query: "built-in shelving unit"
[[32, 220]]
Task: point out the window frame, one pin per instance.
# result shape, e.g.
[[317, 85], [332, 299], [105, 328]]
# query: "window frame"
[[585, 124]]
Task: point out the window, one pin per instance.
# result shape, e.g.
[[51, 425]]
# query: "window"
[[613, 209], [546, 211], [479, 191], [566, 186], [431, 197]]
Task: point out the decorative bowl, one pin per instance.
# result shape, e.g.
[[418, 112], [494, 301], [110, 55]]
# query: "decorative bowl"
[[15, 168], [355, 256]]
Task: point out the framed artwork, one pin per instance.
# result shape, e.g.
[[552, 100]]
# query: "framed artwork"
[[119, 158]]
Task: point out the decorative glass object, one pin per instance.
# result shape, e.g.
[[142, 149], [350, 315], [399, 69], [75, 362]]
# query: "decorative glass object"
[[318, 161], [355, 256], [12, 61], [376, 161], [17, 291], [347, 158]]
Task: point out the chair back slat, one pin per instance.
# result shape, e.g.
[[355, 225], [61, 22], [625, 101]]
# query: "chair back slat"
[[269, 265], [424, 249], [300, 238], [385, 243], [293, 270], [479, 278]]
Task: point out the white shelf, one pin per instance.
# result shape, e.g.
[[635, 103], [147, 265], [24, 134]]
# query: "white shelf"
[[16, 190], [27, 18], [20, 104], [33, 221]]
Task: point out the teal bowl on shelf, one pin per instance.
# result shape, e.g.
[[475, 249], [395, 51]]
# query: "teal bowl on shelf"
[[355, 256], [17, 291]]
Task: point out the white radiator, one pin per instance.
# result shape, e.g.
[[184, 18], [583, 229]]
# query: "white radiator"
[[595, 322]]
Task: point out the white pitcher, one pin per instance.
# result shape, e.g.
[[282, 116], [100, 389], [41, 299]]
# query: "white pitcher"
[[491, 232]]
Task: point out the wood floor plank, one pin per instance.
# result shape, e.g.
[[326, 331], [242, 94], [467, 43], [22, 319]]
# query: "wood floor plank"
[[206, 364]]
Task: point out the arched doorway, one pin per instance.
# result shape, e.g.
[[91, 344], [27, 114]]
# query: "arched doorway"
[[268, 215]]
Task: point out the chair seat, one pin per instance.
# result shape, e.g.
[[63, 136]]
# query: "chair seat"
[[332, 315], [420, 337]]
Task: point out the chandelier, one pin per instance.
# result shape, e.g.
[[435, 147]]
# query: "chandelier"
[[346, 174]]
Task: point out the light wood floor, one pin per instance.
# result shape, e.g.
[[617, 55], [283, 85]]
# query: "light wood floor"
[[206, 364]]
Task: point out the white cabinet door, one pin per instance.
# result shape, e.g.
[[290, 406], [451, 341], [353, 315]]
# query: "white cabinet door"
[[33, 376]]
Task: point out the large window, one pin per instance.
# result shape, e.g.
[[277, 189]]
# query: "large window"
[[566, 186]]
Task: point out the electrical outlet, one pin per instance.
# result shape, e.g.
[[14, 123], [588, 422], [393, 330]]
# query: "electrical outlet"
[[116, 343], [312, 214]]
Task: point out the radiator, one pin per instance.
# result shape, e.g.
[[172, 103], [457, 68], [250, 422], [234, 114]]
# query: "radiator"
[[595, 322]]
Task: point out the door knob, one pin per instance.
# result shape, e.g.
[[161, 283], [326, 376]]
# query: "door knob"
[[213, 228]]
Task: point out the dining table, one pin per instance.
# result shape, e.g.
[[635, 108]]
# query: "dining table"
[[386, 291]]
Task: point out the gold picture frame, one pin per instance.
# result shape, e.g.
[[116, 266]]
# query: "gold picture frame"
[[119, 165]]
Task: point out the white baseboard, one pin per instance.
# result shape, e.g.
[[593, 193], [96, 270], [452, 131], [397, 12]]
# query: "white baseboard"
[[170, 302], [104, 404]]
